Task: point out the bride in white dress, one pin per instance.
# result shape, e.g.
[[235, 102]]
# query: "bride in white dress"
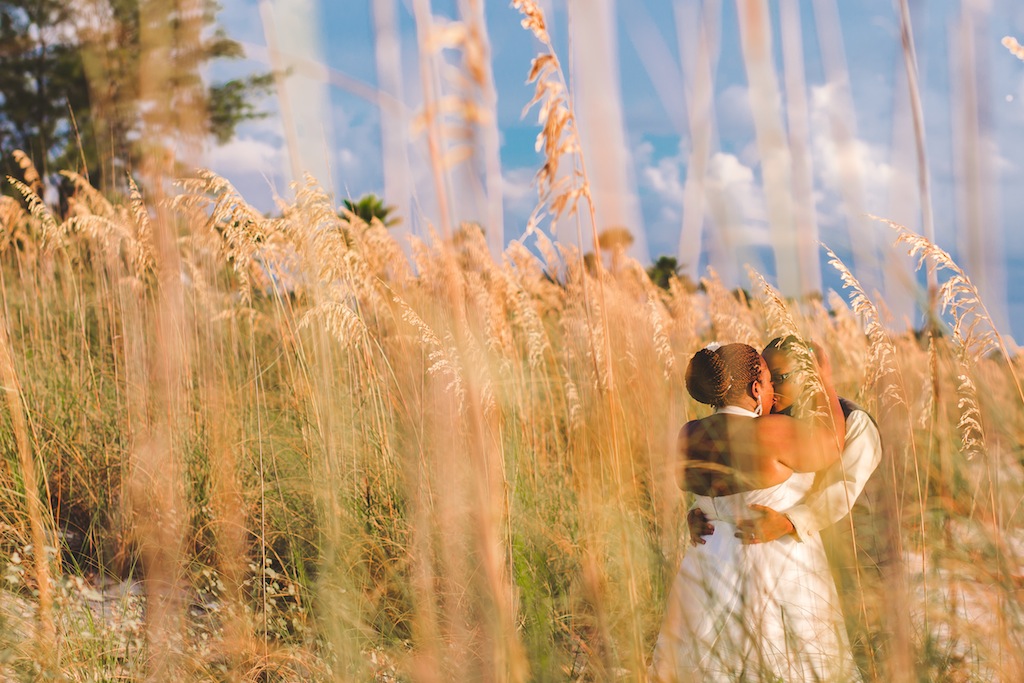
[[761, 612]]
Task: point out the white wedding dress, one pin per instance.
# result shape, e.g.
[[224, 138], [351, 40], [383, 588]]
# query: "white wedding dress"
[[760, 612]]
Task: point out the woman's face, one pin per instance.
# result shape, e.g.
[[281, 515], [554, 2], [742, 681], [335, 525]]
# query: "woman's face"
[[783, 376], [764, 379]]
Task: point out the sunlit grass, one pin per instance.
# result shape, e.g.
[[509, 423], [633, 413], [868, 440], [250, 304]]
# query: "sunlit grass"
[[437, 471]]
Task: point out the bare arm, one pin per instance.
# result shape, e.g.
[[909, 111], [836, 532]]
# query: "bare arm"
[[696, 520], [681, 444], [833, 494]]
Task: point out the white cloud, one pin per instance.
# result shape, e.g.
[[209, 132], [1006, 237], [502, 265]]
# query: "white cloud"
[[257, 169], [664, 178], [837, 165], [733, 195], [347, 159], [266, 127], [643, 153], [246, 155], [750, 154], [729, 170], [670, 215], [733, 111], [728, 174], [734, 185], [517, 185]]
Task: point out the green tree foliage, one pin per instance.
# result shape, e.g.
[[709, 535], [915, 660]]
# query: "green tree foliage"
[[231, 103], [71, 81], [665, 269], [371, 206], [42, 79]]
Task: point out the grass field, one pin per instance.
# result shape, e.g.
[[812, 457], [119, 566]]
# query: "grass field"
[[277, 449], [236, 447]]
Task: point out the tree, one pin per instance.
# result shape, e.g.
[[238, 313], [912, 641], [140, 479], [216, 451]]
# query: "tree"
[[73, 90], [370, 206], [665, 269], [42, 79]]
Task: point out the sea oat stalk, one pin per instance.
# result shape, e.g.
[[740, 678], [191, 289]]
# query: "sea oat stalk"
[[33, 503], [973, 326]]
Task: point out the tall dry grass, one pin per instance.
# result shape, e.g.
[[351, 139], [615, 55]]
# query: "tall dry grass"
[[395, 470], [280, 449]]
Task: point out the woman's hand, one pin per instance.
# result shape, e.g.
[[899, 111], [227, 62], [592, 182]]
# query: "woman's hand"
[[699, 526]]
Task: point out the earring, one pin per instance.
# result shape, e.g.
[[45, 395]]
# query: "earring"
[[760, 407]]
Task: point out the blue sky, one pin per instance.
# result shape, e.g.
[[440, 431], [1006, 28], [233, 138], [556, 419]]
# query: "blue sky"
[[332, 107]]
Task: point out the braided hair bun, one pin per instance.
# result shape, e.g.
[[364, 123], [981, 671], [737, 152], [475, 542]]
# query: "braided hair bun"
[[715, 375], [707, 378]]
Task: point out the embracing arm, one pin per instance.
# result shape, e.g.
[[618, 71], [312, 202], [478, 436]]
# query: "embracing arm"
[[681, 460], [833, 496], [696, 521]]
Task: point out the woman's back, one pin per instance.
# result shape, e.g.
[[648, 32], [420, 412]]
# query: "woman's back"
[[723, 456], [729, 451]]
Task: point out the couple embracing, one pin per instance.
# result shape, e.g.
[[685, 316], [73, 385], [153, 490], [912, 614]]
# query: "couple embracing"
[[755, 598]]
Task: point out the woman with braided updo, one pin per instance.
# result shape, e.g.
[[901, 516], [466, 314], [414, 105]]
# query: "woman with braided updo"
[[764, 611], [720, 375]]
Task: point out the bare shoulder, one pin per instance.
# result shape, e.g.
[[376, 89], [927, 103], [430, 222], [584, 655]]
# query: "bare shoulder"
[[776, 419], [686, 434], [775, 423], [689, 428], [777, 433]]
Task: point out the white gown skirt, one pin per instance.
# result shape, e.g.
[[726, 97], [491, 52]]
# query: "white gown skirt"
[[763, 612]]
